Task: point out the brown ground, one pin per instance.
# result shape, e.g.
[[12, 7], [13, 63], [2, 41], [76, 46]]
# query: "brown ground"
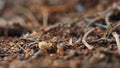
[[59, 34]]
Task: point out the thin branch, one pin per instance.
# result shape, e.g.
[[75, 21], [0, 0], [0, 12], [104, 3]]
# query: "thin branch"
[[4, 55], [101, 25], [109, 27], [52, 27], [68, 25], [110, 30], [91, 21], [84, 39], [79, 40], [116, 36], [33, 43], [45, 15], [100, 16], [23, 49], [34, 56], [114, 28], [106, 13], [107, 18]]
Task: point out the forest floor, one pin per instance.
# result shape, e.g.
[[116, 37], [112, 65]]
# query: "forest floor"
[[59, 34]]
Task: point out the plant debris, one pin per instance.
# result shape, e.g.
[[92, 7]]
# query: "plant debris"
[[59, 34]]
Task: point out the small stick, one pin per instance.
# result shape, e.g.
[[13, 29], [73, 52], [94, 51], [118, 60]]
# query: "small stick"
[[23, 49], [100, 16], [33, 43], [52, 27], [3, 55], [79, 40], [34, 56], [84, 39], [109, 28], [101, 25], [115, 27], [107, 18], [105, 36], [107, 12], [116, 36], [68, 25], [91, 21], [45, 15]]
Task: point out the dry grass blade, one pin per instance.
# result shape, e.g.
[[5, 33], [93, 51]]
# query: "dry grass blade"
[[84, 39], [117, 40]]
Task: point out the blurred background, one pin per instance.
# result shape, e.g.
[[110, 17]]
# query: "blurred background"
[[48, 11], [34, 13]]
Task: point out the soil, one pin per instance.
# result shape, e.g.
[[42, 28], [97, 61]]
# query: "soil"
[[59, 34]]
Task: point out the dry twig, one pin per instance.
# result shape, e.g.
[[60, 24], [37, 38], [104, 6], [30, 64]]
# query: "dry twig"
[[84, 39], [34, 56], [68, 25], [3, 55], [79, 40], [106, 13], [23, 49], [52, 27], [45, 15], [115, 27], [106, 36], [107, 18], [117, 40], [91, 21]]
